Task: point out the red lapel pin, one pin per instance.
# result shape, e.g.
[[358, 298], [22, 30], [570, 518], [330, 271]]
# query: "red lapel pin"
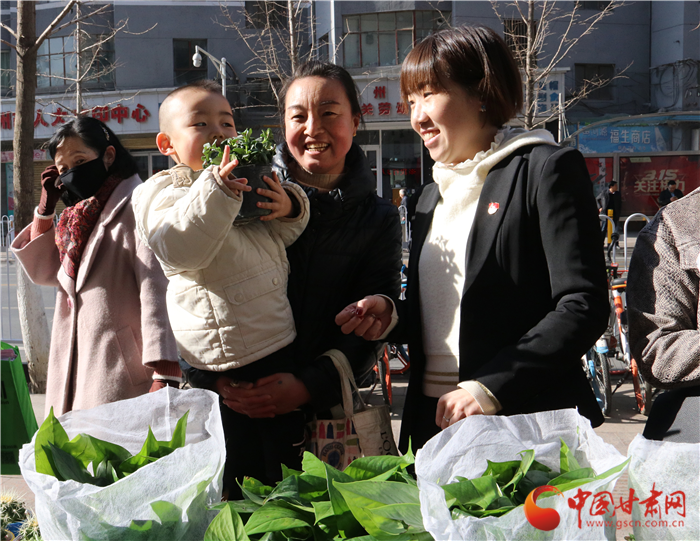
[[493, 207]]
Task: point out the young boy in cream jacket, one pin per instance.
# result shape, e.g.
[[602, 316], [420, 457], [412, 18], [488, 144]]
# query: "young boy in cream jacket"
[[226, 297]]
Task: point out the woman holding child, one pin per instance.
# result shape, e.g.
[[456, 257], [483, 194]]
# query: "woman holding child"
[[507, 286], [111, 339], [351, 246], [270, 380]]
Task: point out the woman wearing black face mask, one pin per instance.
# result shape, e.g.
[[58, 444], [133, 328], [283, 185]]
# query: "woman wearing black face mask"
[[111, 338]]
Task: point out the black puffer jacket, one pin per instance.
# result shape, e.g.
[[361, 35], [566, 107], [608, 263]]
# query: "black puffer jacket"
[[350, 249]]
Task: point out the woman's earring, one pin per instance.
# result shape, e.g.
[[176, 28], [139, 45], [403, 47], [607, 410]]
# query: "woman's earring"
[[483, 108]]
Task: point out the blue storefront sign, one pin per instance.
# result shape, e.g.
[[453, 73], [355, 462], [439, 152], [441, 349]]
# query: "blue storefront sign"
[[609, 139]]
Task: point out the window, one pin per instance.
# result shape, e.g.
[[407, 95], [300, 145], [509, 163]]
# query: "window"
[[594, 75], [57, 61], [150, 163], [260, 92], [323, 49], [597, 6], [261, 15], [384, 39], [6, 78], [183, 51], [515, 34]]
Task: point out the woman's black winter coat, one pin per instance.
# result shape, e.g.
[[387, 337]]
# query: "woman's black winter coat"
[[350, 249]]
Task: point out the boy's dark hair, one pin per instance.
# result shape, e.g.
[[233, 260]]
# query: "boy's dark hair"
[[612, 183], [671, 182], [96, 135], [204, 84], [475, 58], [325, 70]]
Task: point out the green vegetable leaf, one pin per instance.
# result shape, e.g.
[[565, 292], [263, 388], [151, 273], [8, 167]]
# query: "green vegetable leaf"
[[287, 472], [226, 526], [335, 478], [92, 450], [254, 490], [313, 465], [478, 493], [567, 461], [153, 449], [364, 468], [166, 511], [52, 432], [277, 516], [525, 463], [68, 467], [365, 497]]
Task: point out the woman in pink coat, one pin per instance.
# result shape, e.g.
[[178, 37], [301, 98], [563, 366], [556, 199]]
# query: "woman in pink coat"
[[111, 337]]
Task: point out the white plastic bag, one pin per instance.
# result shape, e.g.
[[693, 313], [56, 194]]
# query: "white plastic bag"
[[189, 477], [672, 471], [463, 448]]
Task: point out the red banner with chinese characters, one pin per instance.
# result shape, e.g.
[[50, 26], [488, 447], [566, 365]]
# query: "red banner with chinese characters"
[[643, 178]]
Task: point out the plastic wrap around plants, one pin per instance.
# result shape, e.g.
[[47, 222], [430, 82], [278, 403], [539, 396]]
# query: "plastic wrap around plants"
[[463, 449], [166, 499], [665, 476]]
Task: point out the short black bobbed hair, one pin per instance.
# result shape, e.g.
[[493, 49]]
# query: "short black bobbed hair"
[[325, 70], [96, 135], [474, 57]]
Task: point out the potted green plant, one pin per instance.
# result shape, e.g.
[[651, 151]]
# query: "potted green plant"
[[254, 161]]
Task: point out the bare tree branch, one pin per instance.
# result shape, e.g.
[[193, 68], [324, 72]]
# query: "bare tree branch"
[[82, 17], [531, 50], [8, 43], [52, 26], [10, 31]]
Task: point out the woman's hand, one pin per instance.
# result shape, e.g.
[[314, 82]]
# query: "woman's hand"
[[51, 190], [281, 205], [368, 318], [236, 185], [276, 394], [455, 406]]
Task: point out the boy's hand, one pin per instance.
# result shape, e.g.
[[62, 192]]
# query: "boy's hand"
[[281, 205], [236, 185]]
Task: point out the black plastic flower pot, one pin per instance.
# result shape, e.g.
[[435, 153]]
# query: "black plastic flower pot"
[[249, 208]]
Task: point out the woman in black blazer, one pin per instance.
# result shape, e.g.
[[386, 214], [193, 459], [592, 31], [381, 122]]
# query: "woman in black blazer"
[[507, 286]]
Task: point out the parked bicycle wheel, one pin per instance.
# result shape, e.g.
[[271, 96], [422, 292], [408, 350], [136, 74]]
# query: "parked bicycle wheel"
[[642, 390], [385, 377], [598, 372]]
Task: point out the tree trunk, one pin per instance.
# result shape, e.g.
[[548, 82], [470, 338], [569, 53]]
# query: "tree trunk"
[[35, 329], [79, 64], [530, 67], [293, 47]]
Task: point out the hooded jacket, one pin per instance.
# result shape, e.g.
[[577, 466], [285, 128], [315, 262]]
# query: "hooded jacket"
[[351, 248]]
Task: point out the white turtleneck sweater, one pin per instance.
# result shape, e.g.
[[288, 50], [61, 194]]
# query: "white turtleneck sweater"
[[443, 262]]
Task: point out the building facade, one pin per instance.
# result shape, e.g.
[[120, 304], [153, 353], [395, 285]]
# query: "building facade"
[[650, 52]]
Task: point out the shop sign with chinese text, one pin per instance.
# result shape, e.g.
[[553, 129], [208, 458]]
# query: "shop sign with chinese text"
[[124, 112]]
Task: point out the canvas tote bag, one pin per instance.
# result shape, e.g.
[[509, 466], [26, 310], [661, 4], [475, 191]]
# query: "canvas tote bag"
[[352, 433]]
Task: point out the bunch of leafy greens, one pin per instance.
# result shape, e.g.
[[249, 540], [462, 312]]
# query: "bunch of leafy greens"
[[505, 485], [247, 150], [373, 498], [89, 460]]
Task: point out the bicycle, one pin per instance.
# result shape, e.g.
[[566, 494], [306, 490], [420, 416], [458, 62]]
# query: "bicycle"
[[395, 352], [597, 368], [392, 352], [619, 340]]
